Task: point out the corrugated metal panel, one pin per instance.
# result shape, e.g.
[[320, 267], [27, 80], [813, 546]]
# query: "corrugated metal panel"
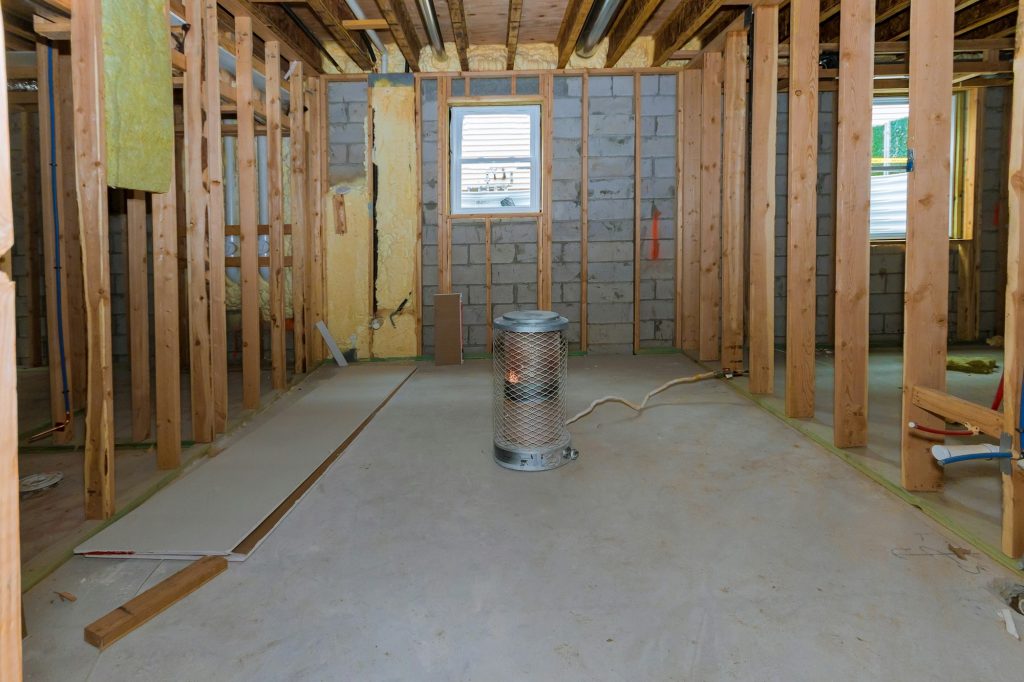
[[889, 206]]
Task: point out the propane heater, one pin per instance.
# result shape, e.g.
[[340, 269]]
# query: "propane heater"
[[530, 369]]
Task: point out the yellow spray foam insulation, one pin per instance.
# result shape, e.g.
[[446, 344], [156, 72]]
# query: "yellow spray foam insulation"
[[347, 266], [138, 97], [534, 57]]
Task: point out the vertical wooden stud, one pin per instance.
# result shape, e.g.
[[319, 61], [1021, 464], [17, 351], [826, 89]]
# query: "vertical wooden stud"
[[968, 290], [278, 371], [802, 234], [853, 222], [444, 226], [637, 210], [487, 283], [33, 226], [547, 84], [734, 214], [314, 270], [690, 132], [297, 119], [138, 313], [584, 207], [711, 208], [926, 304], [165, 329]]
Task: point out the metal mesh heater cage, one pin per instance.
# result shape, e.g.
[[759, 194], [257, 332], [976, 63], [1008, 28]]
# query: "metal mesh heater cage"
[[530, 369]]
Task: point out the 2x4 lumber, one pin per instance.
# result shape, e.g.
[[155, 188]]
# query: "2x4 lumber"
[[315, 349], [460, 29], [575, 16], [637, 211], [32, 226], [682, 25], [272, 23], [1013, 373], [297, 113], [200, 385], [215, 219], [968, 290], [444, 225], [957, 410], [981, 14], [138, 314], [763, 135], [329, 12], [124, 619], [689, 193], [711, 209], [54, 273], [515, 16], [402, 30], [166, 351], [584, 208], [56, 29], [247, 219], [926, 295], [91, 173], [734, 215], [10, 541], [802, 232], [852, 240], [547, 85], [275, 189], [630, 21]]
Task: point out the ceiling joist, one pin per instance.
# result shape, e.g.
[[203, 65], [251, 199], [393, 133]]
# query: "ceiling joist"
[[402, 30], [631, 20], [329, 13], [515, 16], [576, 13], [457, 13], [682, 25]]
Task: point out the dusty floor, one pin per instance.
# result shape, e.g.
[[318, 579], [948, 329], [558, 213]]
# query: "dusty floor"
[[972, 494], [701, 540]]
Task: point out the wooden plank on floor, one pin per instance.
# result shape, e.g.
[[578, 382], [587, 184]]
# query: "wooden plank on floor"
[[734, 215], [1013, 481], [299, 217], [689, 131], [215, 221], [802, 234], [763, 136], [275, 188], [132, 614], [167, 355], [54, 275], [91, 174], [138, 313], [853, 224], [926, 297], [711, 209], [10, 541], [200, 384], [247, 218]]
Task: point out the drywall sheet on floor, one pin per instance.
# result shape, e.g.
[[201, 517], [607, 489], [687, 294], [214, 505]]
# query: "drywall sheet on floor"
[[213, 508], [137, 97]]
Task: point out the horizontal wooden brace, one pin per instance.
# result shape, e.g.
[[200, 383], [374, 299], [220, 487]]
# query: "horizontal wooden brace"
[[236, 230], [263, 261], [958, 410]]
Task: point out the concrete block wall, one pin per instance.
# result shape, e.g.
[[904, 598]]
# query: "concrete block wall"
[[346, 131], [428, 175], [658, 192], [566, 269], [469, 274], [513, 266]]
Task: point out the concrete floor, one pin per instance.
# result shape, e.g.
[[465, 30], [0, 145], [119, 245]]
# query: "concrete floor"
[[703, 539]]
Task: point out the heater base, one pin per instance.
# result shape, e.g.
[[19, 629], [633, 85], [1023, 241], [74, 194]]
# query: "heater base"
[[534, 461]]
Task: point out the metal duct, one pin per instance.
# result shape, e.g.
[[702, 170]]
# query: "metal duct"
[[598, 22], [429, 16]]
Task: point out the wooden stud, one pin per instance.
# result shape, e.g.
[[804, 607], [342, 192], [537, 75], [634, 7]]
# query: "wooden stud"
[[637, 209], [689, 130], [968, 290], [457, 14], [200, 384], [278, 371], [710, 306], [547, 86], [402, 30], [575, 16], [10, 540], [444, 226], [802, 235], [630, 20], [165, 329], [91, 173], [515, 15], [926, 303], [584, 208], [297, 101], [1013, 480], [53, 276], [247, 202], [418, 310], [32, 227], [953, 409], [487, 284], [215, 221], [371, 192], [734, 215], [853, 224], [134, 613], [314, 262], [138, 313], [763, 125], [330, 14]]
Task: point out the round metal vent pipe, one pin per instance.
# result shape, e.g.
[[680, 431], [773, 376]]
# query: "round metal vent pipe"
[[598, 22], [429, 16]]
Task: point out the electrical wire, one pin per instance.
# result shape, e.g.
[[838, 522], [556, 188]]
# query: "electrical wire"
[[56, 229], [639, 408]]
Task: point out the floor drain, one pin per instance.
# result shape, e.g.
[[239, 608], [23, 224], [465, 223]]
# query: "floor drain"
[[34, 483]]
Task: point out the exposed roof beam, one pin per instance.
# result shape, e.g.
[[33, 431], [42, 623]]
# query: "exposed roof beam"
[[402, 30], [576, 12], [329, 13], [457, 12], [895, 23], [631, 20], [683, 24], [1000, 28], [983, 13], [515, 15], [272, 23], [726, 21]]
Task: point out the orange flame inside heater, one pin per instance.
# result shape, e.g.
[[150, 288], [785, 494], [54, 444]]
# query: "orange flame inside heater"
[[513, 378]]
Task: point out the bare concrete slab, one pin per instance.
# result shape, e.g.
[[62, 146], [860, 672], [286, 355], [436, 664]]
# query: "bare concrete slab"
[[701, 540]]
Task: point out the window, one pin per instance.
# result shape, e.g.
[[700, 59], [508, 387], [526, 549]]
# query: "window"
[[890, 170], [495, 152]]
